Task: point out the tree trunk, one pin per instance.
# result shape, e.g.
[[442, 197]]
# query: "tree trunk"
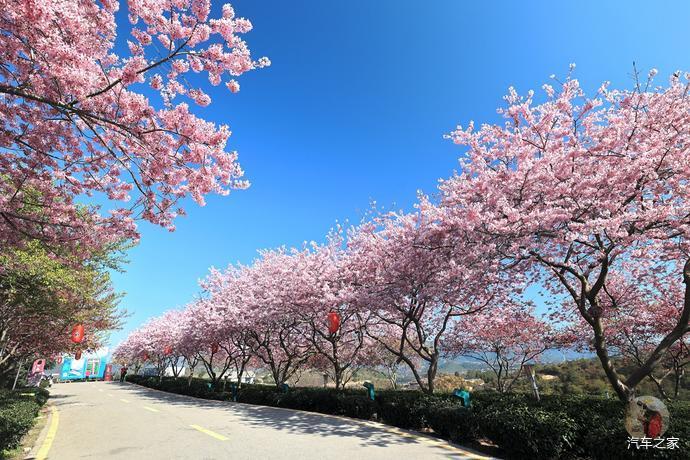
[[239, 377], [240, 364], [678, 375], [393, 376], [338, 376], [275, 372], [431, 374], [659, 386], [622, 390]]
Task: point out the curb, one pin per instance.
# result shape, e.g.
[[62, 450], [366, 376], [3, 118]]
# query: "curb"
[[42, 445], [437, 442]]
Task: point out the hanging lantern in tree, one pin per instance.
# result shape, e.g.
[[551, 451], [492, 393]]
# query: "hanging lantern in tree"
[[145, 356], [333, 322], [78, 333], [77, 355], [214, 347], [59, 359], [168, 349]]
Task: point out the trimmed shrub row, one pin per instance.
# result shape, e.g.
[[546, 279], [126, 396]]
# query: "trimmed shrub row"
[[18, 409], [557, 427]]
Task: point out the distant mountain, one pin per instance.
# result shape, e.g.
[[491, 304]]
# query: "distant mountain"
[[559, 356], [463, 364]]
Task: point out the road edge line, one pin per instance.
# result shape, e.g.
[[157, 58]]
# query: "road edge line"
[[42, 453]]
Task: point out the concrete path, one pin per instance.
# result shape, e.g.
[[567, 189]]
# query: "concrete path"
[[107, 420]]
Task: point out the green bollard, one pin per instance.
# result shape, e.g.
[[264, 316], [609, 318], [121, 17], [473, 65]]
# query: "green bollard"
[[464, 397], [233, 391], [370, 388]]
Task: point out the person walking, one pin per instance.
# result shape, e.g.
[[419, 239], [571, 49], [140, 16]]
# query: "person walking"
[[123, 373]]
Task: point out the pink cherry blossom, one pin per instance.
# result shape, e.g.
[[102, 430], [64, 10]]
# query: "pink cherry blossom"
[[577, 193], [75, 122]]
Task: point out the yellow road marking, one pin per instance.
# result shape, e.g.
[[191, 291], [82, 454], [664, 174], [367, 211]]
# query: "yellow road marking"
[[124, 400], [213, 434], [151, 409], [52, 431]]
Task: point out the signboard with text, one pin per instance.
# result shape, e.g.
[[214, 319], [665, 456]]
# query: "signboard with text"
[[88, 367]]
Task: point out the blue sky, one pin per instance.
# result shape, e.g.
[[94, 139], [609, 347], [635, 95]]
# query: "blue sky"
[[355, 105]]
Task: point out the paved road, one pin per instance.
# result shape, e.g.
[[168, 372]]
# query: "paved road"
[[107, 420]]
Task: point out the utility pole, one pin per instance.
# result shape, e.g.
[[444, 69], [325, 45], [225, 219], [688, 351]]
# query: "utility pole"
[[530, 371], [16, 377]]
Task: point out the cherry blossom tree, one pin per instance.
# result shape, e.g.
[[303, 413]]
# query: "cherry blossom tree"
[[156, 342], [171, 323], [388, 363], [316, 285], [674, 363], [78, 118], [219, 343], [130, 351], [636, 320], [279, 337], [577, 191], [340, 354], [391, 366], [152, 340], [242, 343], [505, 339], [127, 353], [187, 345], [279, 306], [227, 299], [417, 278]]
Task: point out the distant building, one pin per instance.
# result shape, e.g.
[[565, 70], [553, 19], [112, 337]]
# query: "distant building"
[[475, 382], [169, 372], [409, 386], [247, 377], [148, 371]]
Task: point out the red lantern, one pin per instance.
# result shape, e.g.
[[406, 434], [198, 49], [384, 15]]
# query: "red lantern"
[[168, 349], [333, 322], [146, 356], [59, 360], [78, 333], [214, 347], [77, 355]]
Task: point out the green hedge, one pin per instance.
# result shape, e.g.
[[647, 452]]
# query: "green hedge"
[[18, 409], [557, 427], [198, 388], [526, 431], [569, 427]]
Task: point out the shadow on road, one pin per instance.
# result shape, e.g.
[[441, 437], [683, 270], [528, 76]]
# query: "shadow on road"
[[281, 419], [65, 400]]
